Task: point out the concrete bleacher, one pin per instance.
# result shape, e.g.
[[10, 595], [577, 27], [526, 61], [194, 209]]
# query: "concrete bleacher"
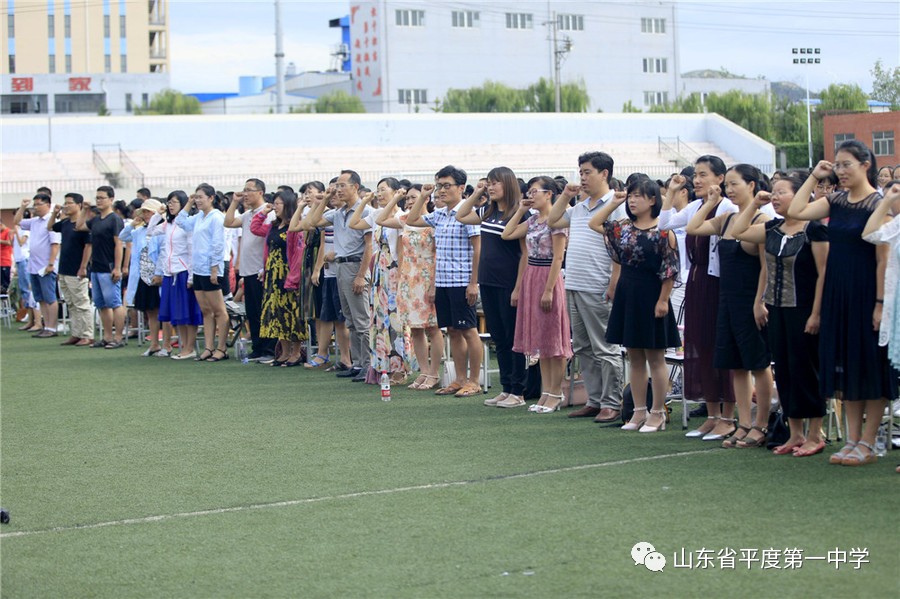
[[181, 152]]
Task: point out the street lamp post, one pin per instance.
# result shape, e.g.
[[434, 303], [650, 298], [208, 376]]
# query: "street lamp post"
[[807, 56]]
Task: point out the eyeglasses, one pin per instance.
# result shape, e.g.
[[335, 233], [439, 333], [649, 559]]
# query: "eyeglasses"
[[444, 186], [824, 186], [533, 192], [845, 166]]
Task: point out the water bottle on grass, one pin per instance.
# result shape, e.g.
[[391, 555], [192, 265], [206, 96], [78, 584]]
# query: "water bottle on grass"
[[385, 387], [242, 354]]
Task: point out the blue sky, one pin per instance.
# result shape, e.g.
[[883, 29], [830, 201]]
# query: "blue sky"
[[747, 38]]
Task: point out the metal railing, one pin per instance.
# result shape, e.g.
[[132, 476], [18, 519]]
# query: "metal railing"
[[679, 153]]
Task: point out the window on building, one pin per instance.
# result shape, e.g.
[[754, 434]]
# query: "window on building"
[[12, 64], [122, 26], [653, 25], [466, 19], [410, 18], [840, 138], [656, 98], [412, 96], [68, 63], [123, 63], [107, 63], [51, 25], [883, 143], [519, 20], [67, 25], [129, 104], [51, 64], [656, 65], [11, 27], [145, 100], [570, 22], [105, 25]]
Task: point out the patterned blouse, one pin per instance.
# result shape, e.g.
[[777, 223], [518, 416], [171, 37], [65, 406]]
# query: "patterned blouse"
[[642, 249]]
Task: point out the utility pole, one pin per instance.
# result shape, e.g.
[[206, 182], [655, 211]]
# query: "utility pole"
[[279, 60], [560, 49]]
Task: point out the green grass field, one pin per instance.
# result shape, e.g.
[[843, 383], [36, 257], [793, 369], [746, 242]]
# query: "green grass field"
[[144, 477]]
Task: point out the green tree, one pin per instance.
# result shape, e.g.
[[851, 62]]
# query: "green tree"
[[842, 96], [886, 85], [170, 101], [541, 96], [630, 107], [490, 97], [338, 101], [751, 111]]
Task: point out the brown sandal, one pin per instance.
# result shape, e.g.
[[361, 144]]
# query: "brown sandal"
[[761, 442], [732, 441], [450, 389], [469, 390]]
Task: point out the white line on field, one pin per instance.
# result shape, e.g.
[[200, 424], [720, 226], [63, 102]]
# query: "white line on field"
[[293, 502]]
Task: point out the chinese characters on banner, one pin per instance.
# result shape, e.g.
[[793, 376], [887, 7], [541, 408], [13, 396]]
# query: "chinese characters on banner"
[[364, 51], [26, 84], [79, 84], [22, 84]]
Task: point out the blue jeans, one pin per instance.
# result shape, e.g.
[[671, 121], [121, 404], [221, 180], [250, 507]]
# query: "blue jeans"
[[106, 293], [43, 288]]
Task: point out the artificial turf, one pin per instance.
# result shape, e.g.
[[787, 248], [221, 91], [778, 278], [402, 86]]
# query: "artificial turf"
[[310, 486]]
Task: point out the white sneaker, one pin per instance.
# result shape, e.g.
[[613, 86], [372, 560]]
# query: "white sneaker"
[[152, 352], [163, 353]]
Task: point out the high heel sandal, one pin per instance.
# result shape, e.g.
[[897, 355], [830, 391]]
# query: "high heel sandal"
[[545, 410], [761, 442], [535, 407], [711, 436], [659, 427], [634, 426], [699, 433], [205, 355], [838, 458], [732, 441], [213, 358]]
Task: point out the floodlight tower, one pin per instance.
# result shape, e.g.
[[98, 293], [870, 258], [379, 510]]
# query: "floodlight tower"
[[807, 56]]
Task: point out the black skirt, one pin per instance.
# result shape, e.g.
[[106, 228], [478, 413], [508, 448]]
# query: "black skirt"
[[146, 297]]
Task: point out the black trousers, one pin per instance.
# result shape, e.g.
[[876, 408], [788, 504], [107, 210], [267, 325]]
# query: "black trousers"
[[253, 298], [500, 318]]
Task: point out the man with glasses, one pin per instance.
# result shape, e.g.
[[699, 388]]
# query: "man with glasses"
[[107, 251], [42, 263], [457, 253], [252, 262], [74, 255], [590, 287], [353, 251]]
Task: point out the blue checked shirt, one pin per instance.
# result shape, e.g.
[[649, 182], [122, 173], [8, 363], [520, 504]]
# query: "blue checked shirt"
[[452, 248]]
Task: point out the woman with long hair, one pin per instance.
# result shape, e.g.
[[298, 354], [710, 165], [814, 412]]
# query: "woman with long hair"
[[207, 230], [701, 302], [796, 252], [852, 363], [178, 303], [542, 320], [641, 319], [388, 340], [281, 318], [500, 267], [415, 295], [741, 337]]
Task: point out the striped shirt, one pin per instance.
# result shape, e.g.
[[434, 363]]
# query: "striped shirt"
[[453, 251], [588, 265]]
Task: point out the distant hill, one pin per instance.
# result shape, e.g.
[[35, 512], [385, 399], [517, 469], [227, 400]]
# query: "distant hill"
[[790, 90]]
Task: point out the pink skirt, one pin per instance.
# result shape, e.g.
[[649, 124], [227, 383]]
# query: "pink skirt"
[[539, 332]]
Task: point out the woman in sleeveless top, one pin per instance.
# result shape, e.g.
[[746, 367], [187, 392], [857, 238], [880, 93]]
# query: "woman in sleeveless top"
[[796, 252], [701, 303], [741, 343], [851, 361]]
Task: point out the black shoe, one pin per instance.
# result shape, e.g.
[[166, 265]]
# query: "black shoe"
[[699, 412], [359, 378], [348, 374]]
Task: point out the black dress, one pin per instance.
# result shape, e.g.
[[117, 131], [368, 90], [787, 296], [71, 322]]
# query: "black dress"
[[646, 260], [790, 293], [740, 345], [850, 359]]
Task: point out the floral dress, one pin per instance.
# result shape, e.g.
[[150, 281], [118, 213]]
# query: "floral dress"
[[388, 338], [280, 318], [416, 276], [538, 332], [646, 260]]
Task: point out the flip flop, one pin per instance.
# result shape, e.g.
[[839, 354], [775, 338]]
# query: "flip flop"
[[469, 390], [450, 389]]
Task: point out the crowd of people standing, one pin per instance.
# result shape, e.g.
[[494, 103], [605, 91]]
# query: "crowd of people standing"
[[785, 283]]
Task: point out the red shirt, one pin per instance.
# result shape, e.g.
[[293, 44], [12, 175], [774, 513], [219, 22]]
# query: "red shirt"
[[6, 251]]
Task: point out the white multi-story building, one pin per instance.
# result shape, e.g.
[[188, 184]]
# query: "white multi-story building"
[[406, 54]]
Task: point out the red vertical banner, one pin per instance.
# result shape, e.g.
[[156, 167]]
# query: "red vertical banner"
[[364, 36]]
